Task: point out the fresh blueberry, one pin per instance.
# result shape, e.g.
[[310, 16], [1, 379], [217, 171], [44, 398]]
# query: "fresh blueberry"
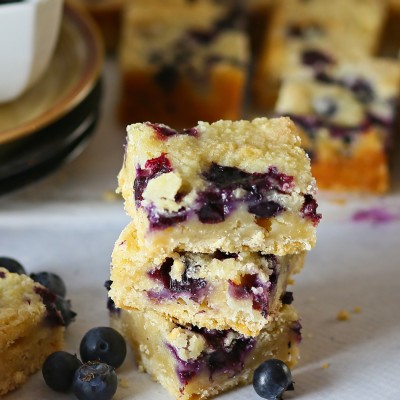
[[51, 281], [103, 344], [64, 306], [12, 265], [10, 1], [95, 381], [59, 369], [271, 379]]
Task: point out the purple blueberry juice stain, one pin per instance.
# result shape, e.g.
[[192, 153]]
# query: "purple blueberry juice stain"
[[185, 370], [309, 209], [195, 289], [376, 215], [218, 358], [153, 168], [164, 132], [251, 287]]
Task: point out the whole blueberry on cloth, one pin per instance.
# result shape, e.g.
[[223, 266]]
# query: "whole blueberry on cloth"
[[59, 369], [51, 281], [12, 265], [95, 381], [271, 379], [103, 344]]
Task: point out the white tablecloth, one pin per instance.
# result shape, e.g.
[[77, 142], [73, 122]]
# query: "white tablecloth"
[[64, 224]]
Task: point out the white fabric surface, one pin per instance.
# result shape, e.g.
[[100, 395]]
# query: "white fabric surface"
[[63, 224]]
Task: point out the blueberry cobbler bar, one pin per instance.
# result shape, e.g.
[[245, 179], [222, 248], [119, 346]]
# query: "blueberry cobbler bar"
[[306, 36], [216, 291], [182, 63], [222, 216], [228, 186], [347, 114], [31, 328], [197, 363]]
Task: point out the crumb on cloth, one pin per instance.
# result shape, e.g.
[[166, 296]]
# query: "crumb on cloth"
[[343, 315]]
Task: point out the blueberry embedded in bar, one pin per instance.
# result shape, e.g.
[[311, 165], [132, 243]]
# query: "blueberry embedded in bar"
[[228, 186], [306, 36], [241, 291], [196, 363]]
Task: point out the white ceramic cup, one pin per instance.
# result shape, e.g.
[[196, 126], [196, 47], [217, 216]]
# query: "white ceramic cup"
[[28, 35]]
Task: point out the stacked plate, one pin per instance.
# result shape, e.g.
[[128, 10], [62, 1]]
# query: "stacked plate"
[[51, 122]]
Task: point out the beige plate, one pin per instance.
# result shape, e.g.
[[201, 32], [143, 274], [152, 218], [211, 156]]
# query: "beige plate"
[[72, 74]]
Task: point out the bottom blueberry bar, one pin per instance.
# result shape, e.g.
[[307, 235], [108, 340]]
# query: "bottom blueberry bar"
[[196, 363], [30, 328]]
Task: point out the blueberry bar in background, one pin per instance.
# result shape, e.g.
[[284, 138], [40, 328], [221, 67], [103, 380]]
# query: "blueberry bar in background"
[[240, 291], [305, 36], [31, 328], [183, 63], [108, 16], [346, 114], [197, 363], [228, 186]]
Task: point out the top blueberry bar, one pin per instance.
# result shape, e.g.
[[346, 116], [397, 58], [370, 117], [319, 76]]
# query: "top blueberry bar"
[[229, 186]]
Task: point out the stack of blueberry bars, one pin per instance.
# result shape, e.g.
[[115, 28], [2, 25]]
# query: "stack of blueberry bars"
[[223, 215]]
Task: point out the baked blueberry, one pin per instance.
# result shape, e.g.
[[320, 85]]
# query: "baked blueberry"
[[12, 265], [316, 58], [95, 381], [103, 344], [59, 369], [271, 379], [167, 77], [194, 288], [324, 106], [51, 281], [64, 306]]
